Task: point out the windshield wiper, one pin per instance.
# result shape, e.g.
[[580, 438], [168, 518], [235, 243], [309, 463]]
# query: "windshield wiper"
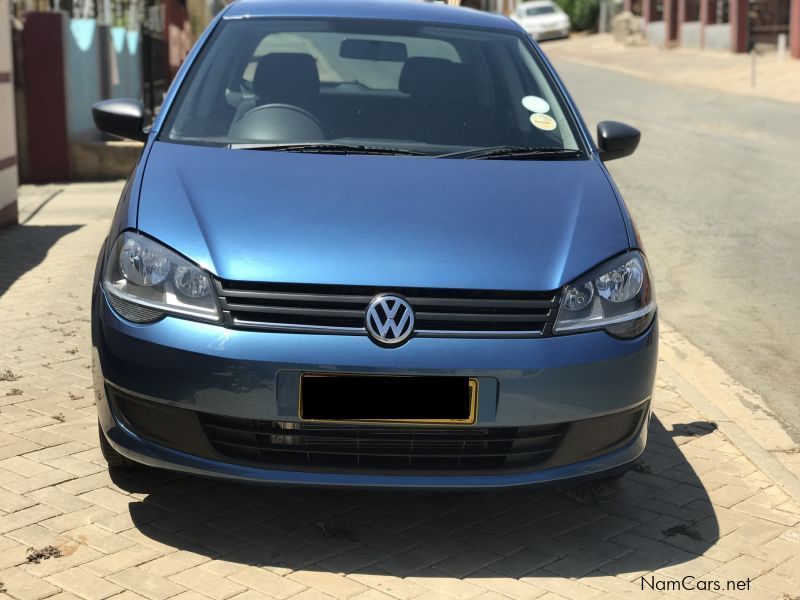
[[324, 148], [529, 152]]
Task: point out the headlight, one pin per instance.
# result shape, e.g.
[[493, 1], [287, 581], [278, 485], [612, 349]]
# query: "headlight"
[[144, 281], [616, 296]]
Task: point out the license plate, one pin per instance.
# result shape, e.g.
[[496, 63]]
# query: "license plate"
[[388, 399]]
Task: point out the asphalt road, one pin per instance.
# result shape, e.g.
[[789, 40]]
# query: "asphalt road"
[[715, 191]]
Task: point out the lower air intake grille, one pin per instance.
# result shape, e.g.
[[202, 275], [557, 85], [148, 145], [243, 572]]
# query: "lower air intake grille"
[[280, 444]]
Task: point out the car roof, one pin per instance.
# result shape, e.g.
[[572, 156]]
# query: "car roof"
[[529, 3], [395, 10]]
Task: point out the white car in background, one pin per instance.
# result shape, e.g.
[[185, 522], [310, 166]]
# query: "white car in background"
[[543, 19]]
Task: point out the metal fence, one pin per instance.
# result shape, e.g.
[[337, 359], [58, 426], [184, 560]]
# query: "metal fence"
[[145, 16], [155, 73]]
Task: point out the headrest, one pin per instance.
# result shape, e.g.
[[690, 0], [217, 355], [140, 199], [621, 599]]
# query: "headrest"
[[437, 79], [286, 76]]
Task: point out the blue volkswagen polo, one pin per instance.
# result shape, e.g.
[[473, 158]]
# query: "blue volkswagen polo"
[[371, 243]]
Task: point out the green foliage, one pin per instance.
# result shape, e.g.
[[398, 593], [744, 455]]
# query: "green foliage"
[[582, 13]]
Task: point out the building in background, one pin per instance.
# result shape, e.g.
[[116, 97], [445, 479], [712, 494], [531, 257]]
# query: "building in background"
[[8, 146], [504, 7], [735, 25], [72, 53], [68, 54]]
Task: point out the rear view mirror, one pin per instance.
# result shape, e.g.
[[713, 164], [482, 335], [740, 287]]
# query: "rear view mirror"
[[616, 140], [122, 117], [373, 50]]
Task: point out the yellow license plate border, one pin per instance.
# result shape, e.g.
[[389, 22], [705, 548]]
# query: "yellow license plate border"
[[473, 383]]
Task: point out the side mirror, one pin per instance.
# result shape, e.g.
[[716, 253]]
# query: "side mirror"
[[616, 140], [122, 117]]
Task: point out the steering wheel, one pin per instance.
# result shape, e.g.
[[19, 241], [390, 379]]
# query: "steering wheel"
[[276, 122]]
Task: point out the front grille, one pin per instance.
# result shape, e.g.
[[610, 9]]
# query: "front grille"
[[273, 444], [341, 309]]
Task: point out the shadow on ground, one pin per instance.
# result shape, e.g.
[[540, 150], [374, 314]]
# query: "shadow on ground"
[[658, 514], [24, 246]]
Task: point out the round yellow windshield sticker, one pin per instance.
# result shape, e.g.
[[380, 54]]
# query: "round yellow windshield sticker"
[[543, 122]]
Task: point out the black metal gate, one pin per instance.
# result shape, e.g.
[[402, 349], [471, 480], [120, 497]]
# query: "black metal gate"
[[155, 79], [768, 19]]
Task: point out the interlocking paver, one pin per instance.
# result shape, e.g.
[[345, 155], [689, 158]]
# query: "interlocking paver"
[[353, 559], [24, 586], [58, 499], [146, 584], [75, 466], [11, 502], [509, 587], [697, 506], [38, 482], [190, 595], [523, 562], [268, 582], [124, 521], [11, 553], [26, 516], [82, 583], [73, 555], [99, 539], [119, 561], [312, 594], [619, 587], [397, 587], [577, 564], [173, 563], [108, 498], [332, 583], [218, 588], [373, 595], [75, 519], [24, 466], [569, 588]]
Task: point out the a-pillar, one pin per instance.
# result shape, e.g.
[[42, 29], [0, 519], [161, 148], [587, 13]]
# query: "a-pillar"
[[737, 11], [794, 29]]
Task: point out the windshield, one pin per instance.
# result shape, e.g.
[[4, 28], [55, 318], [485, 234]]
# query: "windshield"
[[410, 86]]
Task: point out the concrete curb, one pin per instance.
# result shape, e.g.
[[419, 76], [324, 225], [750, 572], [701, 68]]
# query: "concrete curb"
[[713, 408]]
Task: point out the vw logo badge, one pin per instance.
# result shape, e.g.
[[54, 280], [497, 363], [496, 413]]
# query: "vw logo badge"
[[389, 320]]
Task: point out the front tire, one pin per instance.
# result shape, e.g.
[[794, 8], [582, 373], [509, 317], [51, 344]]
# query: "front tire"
[[114, 459]]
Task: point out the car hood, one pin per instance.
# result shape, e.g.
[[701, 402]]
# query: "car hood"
[[251, 215]]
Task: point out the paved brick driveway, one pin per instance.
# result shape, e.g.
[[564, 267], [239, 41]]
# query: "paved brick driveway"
[[696, 506]]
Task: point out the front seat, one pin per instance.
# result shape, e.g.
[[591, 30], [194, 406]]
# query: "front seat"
[[443, 109], [284, 78]]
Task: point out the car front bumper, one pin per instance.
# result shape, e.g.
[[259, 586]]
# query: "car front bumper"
[[550, 34], [189, 368]]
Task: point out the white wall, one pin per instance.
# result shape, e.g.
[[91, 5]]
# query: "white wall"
[[690, 34], [655, 31], [8, 135], [718, 37]]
